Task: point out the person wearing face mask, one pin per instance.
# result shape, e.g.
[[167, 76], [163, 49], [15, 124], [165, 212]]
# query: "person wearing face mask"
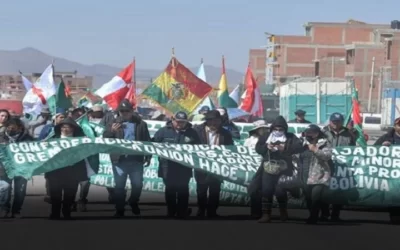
[[338, 135], [260, 129], [315, 166], [210, 132], [227, 124], [392, 138], [128, 125], [63, 183], [4, 116], [277, 149], [14, 132], [176, 177]]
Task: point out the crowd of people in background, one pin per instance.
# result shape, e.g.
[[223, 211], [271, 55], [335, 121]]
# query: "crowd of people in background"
[[282, 153]]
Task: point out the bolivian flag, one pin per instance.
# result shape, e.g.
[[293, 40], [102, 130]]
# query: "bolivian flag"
[[177, 89]]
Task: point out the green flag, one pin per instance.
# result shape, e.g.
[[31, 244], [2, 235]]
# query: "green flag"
[[63, 96]]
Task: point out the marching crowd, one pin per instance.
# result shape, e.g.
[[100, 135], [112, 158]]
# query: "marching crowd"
[[281, 152]]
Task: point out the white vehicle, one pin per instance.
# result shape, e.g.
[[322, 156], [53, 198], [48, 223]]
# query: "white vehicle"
[[371, 121]]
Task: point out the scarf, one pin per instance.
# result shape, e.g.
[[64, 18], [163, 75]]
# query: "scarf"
[[12, 138], [275, 137]]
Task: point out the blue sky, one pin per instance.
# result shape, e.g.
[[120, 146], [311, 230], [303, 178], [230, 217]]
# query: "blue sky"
[[112, 32]]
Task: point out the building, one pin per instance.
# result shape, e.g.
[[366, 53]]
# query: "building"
[[337, 50], [12, 87]]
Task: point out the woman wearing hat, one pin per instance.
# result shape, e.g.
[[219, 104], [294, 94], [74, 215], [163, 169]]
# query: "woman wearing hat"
[[261, 128], [315, 164]]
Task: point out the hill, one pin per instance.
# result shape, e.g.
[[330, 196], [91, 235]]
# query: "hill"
[[31, 60]]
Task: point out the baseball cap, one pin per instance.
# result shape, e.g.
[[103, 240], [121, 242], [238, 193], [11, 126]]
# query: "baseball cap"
[[181, 116], [205, 109], [312, 128], [300, 112], [336, 117]]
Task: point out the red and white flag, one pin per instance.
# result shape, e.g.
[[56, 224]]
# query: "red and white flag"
[[114, 91], [252, 102], [131, 94]]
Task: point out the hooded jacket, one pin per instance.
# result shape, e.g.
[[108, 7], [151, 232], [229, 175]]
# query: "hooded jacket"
[[167, 134], [293, 145], [76, 172]]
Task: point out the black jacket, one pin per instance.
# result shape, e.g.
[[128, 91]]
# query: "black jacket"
[[344, 138], [389, 136], [141, 132], [167, 134], [76, 172], [225, 138], [293, 146], [296, 121]]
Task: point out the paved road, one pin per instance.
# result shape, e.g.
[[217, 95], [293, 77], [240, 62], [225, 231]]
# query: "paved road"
[[96, 229]]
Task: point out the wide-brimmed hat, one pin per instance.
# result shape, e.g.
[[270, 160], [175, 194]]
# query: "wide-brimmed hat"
[[213, 114], [259, 124]]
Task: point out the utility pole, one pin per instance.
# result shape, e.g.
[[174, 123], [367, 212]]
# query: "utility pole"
[[371, 84], [380, 82]]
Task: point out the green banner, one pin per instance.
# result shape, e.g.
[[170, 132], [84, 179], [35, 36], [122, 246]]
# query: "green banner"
[[366, 176]]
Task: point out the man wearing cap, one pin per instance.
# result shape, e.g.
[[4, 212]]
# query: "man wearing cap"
[[392, 138], [338, 135], [129, 126], [176, 177], [56, 119], [210, 132], [35, 127], [201, 115], [300, 117]]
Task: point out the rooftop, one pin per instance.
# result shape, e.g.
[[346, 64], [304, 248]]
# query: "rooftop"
[[350, 22]]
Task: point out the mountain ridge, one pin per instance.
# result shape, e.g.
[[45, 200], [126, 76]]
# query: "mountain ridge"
[[31, 60]]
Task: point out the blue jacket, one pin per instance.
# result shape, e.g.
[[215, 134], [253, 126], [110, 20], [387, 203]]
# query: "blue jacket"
[[46, 130]]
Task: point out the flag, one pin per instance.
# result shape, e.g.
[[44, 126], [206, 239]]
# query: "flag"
[[224, 100], [252, 102], [177, 89], [41, 94], [27, 84], [88, 100], [201, 73], [114, 91], [357, 119], [235, 94], [131, 94], [63, 96]]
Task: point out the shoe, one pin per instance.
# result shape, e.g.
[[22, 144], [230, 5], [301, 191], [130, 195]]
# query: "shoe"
[[201, 213], [266, 218], [324, 219], [82, 207], [283, 214], [119, 215], [312, 221], [212, 215], [54, 217], [16, 216], [255, 216], [135, 209], [47, 199], [74, 207], [4, 213], [336, 219]]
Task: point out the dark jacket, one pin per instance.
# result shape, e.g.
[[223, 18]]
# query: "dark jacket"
[[76, 172], [230, 126], [344, 138], [296, 121], [225, 138], [293, 146], [167, 134], [23, 137], [390, 136], [141, 132]]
